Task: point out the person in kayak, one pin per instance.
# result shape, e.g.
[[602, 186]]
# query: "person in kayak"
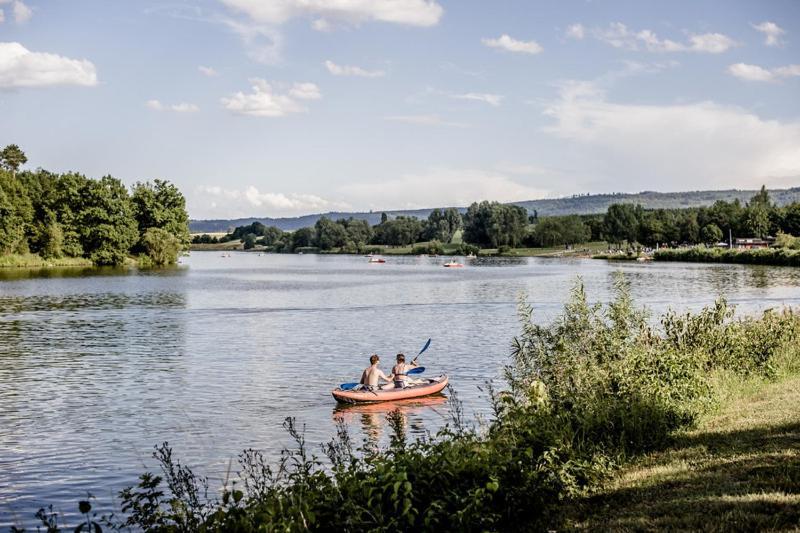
[[372, 374], [400, 372]]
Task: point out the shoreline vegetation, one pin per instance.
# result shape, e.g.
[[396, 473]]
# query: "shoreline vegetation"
[[50, 220], [592, 403], [624, 232]]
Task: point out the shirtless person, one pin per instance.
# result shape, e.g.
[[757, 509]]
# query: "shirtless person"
[[371, 375]]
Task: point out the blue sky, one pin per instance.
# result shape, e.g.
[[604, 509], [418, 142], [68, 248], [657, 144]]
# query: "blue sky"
[[286, 107]]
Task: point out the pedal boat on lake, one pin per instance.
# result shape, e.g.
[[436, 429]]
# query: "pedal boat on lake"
[[427, 387], [376, 260], [453, 264]]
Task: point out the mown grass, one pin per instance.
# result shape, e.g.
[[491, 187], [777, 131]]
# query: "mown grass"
[[36, 261], [738, 471]]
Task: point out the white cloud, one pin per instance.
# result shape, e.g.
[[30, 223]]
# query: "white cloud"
[[619, 35], [425, 120], [347, 70], [756, 73], [19, 67], [22, 13], [305, 91], [265, 101], [513, 45], [182, 107], [441, 186], [407, 12], [771, 31], [576, 31], [263, 43], [712, 43], [211, 200], [635, 145], [491, 99], [208, 71]]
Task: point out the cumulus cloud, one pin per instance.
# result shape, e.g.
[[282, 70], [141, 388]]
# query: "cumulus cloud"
[[619, 35], [506, 42], [442, 186], [406, 12], [348, 70], [210, 200], [756, 73], [772, 33], [425, 120], [19, 67], [22, 13], [207, 71], [491, 99], [182, 107], [266, 101], [576, 31], [635, 145]]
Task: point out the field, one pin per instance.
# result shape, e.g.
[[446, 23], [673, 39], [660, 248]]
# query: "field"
[[739, 468]]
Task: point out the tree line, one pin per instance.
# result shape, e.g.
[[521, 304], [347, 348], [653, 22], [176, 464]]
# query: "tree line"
[[70, 215], [495, 225]]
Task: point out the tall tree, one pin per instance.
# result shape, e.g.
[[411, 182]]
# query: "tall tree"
[[12, 157]]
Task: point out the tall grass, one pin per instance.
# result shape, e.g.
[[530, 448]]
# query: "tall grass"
[[598, 385], [761, 256]]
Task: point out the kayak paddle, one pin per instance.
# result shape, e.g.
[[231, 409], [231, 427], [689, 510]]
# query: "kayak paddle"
[[427, 344]]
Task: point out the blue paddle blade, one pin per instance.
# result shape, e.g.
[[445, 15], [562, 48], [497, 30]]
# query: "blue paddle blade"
[[348, 386], [418, 370], [424, 347]]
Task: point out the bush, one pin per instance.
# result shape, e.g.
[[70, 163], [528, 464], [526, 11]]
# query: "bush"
[[160, 246], [760, 256]]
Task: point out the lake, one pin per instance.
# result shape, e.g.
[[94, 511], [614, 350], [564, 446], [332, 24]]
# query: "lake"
[[213, 355]]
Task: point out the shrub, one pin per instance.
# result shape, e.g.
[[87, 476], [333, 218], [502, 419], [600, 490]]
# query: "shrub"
[[160, 246]]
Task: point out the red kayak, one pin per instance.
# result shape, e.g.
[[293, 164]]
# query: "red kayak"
[[427, 387]]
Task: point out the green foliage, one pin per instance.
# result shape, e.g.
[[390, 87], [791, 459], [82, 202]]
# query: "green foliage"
[[492, 224], [55, 215], [711, 234], [762, 256], [161, 205], [432, 248], [556, 231], [622, 223], [161, 246], [329, 234], [784, 240], [11, 158]]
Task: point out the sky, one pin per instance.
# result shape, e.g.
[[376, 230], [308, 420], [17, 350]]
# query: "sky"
[[288, 107]]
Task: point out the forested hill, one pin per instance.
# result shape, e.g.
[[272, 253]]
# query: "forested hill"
[[580, 205]]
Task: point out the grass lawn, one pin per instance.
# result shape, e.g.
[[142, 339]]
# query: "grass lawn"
[[739, 471]]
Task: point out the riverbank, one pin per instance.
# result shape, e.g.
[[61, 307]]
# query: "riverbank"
[[763, 256], [36, 261], [585, 250], [739, 468]]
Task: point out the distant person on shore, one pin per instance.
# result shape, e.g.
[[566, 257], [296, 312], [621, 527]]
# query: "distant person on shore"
[[372, 374], [400, 372]]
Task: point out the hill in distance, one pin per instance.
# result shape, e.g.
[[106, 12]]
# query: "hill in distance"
[[571, 205]]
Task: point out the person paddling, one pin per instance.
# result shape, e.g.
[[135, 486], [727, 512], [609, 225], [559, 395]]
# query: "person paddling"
[[400, 372], [372, 374]]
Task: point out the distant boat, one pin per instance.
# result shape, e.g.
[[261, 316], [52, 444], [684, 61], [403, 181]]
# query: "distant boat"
[[376, 260], [453, 264]]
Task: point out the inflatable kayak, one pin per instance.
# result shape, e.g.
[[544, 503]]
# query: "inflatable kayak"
[[428, 386]]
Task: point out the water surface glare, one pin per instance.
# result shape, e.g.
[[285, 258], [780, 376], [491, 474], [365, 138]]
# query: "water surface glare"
[[212, 356]]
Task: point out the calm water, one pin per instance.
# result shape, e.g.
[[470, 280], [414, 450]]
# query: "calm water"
[[212, 356]]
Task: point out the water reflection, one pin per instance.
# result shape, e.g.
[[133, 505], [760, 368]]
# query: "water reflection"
[[371, 419]]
